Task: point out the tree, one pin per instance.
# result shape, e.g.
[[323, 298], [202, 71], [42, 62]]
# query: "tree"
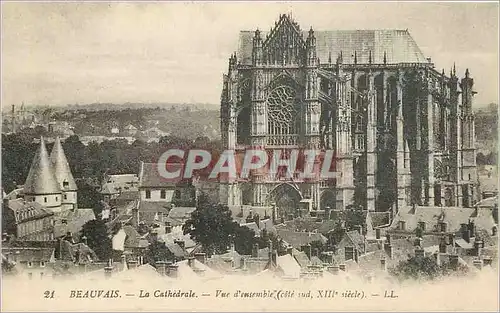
[[212, 226], [157, 251], [97, 238], [424, 268]]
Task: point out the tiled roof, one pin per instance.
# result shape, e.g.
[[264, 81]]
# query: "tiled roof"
[[353, 238], [488, 202], [150, 177], [154, 206], [300, 257], [453, 216], [61, 167], [379, 218], [74, 221], [398, 45], [308, 225], [177, 213], [24, 211], [29, 254], [246, 209], [123, 178], [253, 226], [41, 178], [298, 239], [175, 249]]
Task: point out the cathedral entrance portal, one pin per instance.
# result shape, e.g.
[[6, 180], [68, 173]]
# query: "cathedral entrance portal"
[[286, 197]]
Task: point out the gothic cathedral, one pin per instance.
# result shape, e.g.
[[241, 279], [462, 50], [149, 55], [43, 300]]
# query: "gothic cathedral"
[[402, 132]]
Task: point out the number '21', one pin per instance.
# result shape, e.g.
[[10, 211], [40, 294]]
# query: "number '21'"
[[48, 294]]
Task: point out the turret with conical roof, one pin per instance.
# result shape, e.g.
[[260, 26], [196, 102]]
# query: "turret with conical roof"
[[41, 184], [63, 176]]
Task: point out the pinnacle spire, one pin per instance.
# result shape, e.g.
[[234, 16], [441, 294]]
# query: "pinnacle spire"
[[41, 179], [62, 170]]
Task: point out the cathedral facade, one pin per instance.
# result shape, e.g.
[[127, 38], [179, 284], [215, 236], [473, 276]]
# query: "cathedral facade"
[[402, 131]]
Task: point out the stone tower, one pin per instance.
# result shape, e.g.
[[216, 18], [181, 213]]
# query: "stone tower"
[[64, 177], [41, 184]]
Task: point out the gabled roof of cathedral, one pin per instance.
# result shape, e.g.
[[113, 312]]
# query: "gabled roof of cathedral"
[[61, 167], [41, 179], [397, 45]]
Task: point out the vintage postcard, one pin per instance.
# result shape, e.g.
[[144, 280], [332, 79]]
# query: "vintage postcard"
[[249, 156]]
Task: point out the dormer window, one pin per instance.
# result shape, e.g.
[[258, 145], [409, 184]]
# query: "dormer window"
[[65, 184], [30, 264], [421, 225], [402, 225]]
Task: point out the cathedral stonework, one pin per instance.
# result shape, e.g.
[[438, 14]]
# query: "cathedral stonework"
[[402, 132]]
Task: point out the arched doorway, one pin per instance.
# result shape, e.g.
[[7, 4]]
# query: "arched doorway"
[[327, 202], [286, 197]]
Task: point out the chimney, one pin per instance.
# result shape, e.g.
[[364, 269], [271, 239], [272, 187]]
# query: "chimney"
[[349, 253], [306, 249], [172, 270], [472, 229], [132, 264], [388, 249], [334, 269], [478, 245], [419, 252], [200, 257], [243, 263], [478, 263], [342, 267], [438, 258], [450, 239], [191, 261], [316, 252], [108, 269], [487, 261], [161, 267], [289, 250], [383, 264], [255, 250], [465, 232], [418, 242], [453, 261], [135, 216], [442, 246], [356, 255], [168, 228]]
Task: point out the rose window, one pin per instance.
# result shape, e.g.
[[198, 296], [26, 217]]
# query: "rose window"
[[282, 111]]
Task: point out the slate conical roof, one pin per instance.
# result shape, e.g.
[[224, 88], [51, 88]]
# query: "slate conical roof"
[[61, 167], [41, 179]]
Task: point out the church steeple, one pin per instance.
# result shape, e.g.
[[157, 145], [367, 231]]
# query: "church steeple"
[[61, 168]]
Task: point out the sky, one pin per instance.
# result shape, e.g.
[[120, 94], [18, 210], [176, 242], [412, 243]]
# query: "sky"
[[67, 53]]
